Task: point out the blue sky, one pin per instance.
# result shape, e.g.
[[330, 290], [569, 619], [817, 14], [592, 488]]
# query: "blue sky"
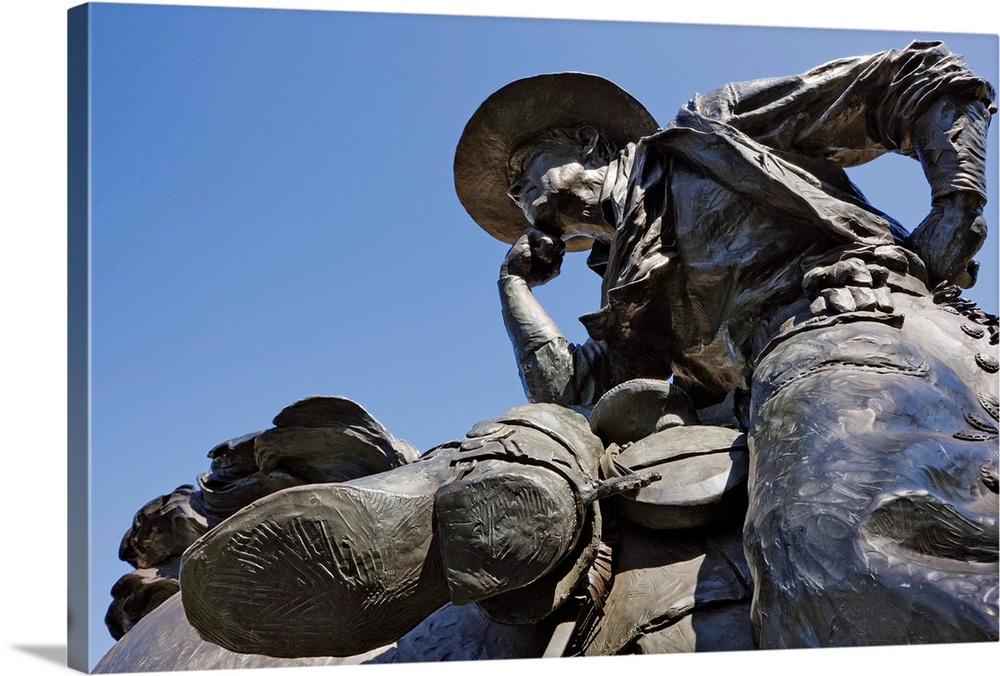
[[273, 216]]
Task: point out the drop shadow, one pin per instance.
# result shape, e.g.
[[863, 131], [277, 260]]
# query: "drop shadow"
[[50, 653]]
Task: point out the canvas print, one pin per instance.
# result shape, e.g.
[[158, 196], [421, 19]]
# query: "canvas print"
[[411, 338]]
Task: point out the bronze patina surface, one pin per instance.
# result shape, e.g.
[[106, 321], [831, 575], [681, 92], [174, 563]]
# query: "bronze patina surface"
[[781, 432]]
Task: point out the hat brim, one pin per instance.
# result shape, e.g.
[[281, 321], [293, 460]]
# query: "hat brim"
[[519, 112]]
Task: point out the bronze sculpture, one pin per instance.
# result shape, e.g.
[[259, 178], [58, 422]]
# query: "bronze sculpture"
[[744, 264], [739, 260]]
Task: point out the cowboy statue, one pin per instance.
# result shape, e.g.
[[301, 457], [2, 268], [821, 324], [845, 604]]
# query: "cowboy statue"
[[781, 432], [738, 258]]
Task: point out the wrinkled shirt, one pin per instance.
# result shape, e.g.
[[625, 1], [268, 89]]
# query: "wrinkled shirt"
[[721, 208]]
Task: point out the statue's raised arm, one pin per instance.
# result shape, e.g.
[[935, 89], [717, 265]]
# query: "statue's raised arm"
[[552, 369], [543, 165], [922, 101]]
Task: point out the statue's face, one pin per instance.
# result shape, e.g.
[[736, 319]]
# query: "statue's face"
[[559, 192]]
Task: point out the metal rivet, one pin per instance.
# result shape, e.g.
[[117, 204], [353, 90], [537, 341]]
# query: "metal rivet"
[[973, 436], [987, 363], [973, 330], [990, 404], [980, 424]]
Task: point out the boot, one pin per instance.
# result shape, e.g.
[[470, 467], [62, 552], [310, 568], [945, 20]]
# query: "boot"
[[338, 569]]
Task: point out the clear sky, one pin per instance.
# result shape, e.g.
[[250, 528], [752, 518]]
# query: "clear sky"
[[273, 216]]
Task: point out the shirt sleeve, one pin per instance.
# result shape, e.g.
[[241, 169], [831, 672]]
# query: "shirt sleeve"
[[849, 110], [559, 372]]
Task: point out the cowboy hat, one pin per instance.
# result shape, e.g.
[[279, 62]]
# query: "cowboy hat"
[[519, 112]]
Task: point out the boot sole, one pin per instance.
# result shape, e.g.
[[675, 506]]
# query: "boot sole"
[[316, 570], [503, 529]]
